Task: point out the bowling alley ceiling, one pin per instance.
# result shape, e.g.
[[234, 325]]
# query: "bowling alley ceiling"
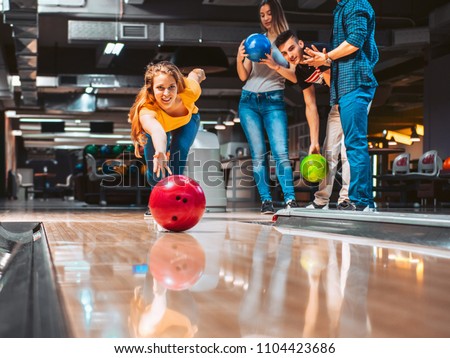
[[54, 60]]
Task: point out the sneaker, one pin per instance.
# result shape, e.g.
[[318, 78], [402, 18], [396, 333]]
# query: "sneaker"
[[365, 209], [346, 205], [313, 205], [349, 206], [147, 214], [291, 204], [267, 207]]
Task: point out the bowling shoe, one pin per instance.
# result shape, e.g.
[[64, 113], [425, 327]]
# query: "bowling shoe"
[[346, 206], [313, 205], [267, 207], [349, 206], [291, 204]]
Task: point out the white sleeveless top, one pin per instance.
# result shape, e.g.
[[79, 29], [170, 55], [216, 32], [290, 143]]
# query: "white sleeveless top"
[[264, 79]]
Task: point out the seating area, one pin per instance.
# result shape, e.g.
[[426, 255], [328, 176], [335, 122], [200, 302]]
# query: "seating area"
[[66, 189], [24, 177], [424, 186], [111, 183]]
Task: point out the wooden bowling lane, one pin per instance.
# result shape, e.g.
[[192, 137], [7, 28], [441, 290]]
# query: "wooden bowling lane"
[[240, 279]]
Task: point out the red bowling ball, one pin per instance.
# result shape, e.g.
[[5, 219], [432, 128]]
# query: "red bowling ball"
[[177, 203], [177, 261]]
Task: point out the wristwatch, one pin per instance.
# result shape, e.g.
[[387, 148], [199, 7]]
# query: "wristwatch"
[[328, 60]]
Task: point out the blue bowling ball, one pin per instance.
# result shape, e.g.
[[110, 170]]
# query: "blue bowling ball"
[[257, 46], [105, 149]]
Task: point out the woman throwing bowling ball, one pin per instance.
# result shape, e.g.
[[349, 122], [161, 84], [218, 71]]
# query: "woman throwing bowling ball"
[[262, 108], [164, 118]]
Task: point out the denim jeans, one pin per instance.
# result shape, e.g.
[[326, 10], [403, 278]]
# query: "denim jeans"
[[354, 108], [179, 141], [262, 113]]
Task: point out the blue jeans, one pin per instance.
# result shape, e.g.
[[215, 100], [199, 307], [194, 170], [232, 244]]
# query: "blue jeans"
[[262, 113], [354, 108], [179, 141]]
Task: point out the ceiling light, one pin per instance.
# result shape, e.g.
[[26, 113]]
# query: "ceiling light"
[[228, 121], [117, 48], [118, 136], [414, 136], [109, 48], [31, 120], [399, 137], [392, 141], [236, 118], [220, 127], [78, 129], [420, 129], [68, 147], [113, 48]]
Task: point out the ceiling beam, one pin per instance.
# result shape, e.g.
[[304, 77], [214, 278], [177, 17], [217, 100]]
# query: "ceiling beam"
[[23, 17]]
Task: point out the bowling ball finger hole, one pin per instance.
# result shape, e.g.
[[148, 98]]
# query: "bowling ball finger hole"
[[185, 200], [174, 218], [178, 197], [181, 268]]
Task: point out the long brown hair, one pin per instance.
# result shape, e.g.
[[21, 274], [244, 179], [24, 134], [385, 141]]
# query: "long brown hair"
[[279, 21], [146, 96]]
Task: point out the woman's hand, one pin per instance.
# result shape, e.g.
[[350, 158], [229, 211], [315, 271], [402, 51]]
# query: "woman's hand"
[[197, 74], [160, 164], [241, 55], [270, 62]]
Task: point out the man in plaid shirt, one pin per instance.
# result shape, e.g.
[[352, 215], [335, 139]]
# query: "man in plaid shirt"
[[353, 85]]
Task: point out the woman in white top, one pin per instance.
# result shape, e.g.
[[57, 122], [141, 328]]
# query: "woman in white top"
[[262, 108]]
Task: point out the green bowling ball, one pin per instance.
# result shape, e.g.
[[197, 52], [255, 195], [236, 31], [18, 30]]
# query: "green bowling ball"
[[91, 149], [314, 168], [117, 149]]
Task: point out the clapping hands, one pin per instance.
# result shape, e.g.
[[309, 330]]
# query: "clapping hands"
[[314, 57]]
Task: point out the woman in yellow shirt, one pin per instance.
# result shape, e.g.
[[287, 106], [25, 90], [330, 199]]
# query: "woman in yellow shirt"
[[164, 118]]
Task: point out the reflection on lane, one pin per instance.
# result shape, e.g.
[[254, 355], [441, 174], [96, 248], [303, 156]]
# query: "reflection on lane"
[[164, 306], [232, 279]]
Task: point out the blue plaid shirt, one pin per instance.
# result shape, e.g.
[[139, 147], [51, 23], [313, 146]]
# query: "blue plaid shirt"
[[354, 22]]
